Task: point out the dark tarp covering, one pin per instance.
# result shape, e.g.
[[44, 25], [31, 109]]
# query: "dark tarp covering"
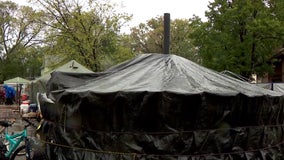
[[158, 106], [62, 80], [279, 87]]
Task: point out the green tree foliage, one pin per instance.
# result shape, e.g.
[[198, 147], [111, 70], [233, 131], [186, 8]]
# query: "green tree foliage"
[[19, 31], [240, 35], [26, 63], [87, 31], [149, 38]]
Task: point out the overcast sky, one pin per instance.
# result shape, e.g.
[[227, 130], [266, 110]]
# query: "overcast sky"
[[143, 10]]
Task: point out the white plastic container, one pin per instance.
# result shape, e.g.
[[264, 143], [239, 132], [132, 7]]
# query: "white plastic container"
[[24, 107]]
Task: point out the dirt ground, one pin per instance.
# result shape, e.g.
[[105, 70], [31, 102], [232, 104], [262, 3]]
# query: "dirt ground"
[[11, 113]]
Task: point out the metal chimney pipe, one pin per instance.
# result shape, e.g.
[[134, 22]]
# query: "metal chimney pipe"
[[167, 21]]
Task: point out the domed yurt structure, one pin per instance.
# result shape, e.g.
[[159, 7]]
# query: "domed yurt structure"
[[162, 106]]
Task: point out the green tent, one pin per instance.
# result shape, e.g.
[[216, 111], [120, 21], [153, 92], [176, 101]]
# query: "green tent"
[[20, 84], [39, 84], [17, 80]]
